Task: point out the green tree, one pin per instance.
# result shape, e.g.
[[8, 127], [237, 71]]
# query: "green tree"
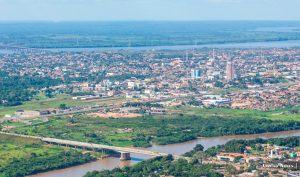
[[63, 106]]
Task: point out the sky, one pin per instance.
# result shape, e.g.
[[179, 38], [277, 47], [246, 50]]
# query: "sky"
[[130, 10]]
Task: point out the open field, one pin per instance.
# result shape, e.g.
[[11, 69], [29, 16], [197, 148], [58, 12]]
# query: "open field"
[[279, 114], [45, 103], [10, 148], [115, 115], [188, 123], [20, 156], [144, 131]]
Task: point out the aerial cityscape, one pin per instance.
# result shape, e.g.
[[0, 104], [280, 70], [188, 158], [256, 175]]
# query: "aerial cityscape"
[[205, 95]]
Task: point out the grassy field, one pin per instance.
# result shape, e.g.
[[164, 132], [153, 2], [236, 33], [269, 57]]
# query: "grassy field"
[[88, 129], [41, 102], [25, 156], [190, 124], [145, 130], [279, 114], [10, 148]]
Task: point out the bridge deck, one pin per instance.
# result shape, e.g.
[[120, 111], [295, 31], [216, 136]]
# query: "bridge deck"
[[100, 146], [92, 145]]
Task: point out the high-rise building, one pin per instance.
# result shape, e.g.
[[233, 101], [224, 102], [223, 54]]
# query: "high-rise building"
[[195, 73], [211, 60], [230, 73]]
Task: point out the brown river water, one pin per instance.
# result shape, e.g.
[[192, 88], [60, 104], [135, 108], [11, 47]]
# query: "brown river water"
[[179, 148]]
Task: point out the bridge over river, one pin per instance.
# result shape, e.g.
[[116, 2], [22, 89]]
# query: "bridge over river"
[[124, 151]]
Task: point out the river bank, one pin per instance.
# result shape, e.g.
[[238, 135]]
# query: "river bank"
[[178, 149], [265, 44]]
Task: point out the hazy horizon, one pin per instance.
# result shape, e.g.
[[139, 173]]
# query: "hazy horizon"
[[146, 10], [113, 21]]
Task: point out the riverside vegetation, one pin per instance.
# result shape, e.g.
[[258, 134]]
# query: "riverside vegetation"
[[160, 166], [21, 157], [142, 132], [182, 168], [239, 146]]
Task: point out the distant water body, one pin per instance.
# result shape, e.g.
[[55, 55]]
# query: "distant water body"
[[153, 34], [268, 44]]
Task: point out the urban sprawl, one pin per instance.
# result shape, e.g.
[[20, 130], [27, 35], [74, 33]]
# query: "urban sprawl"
[[133, 83]]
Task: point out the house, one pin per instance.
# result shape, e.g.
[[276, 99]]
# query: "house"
[[230, 156]]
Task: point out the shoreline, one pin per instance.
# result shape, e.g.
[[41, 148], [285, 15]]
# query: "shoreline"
[[100, 163], [265, 133], [235, 45], [230, 135], [155, 46], [61, 168]]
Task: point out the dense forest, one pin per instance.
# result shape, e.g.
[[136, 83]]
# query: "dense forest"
[[17, 89], [160, 166]]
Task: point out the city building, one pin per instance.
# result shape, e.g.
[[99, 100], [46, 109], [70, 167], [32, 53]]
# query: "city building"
[[230, 73], [195, 73]]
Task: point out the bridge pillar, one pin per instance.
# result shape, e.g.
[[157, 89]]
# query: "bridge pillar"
[[125, 156]]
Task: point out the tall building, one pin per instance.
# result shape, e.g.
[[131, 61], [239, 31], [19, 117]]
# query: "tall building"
[[195, 73], [230, 73], [211, 60]]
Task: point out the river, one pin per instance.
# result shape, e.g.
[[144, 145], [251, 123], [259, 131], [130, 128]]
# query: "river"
[[179, 148], [267, 44]]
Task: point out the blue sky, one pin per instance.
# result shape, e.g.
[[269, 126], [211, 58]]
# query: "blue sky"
[[108, 10]]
